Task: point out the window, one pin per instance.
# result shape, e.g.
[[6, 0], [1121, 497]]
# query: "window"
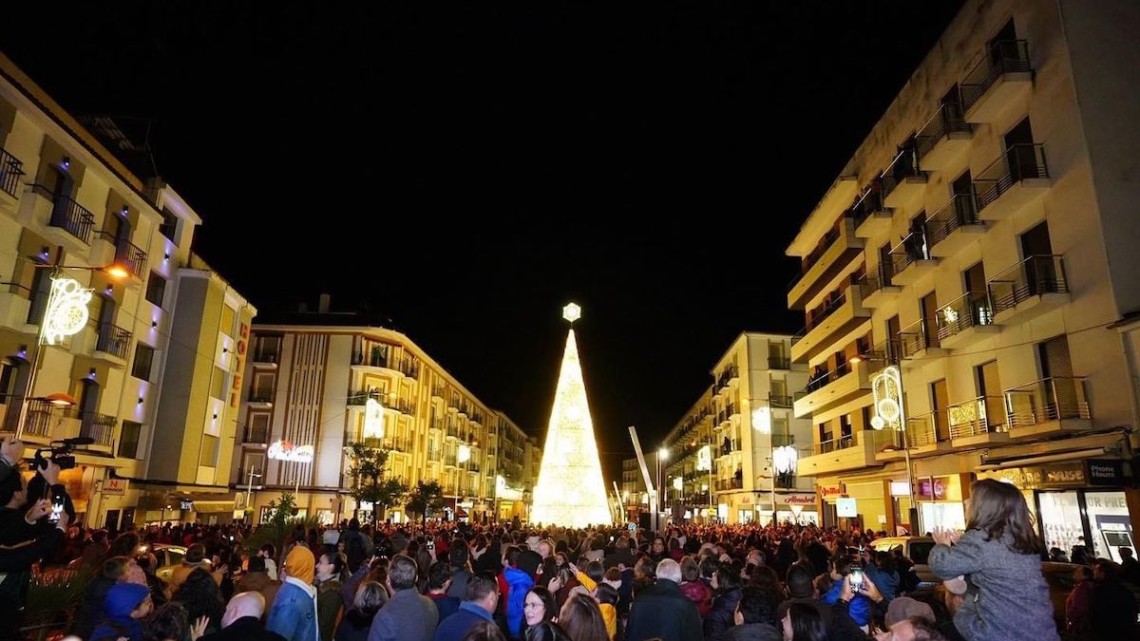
[[169, 227], [144, 358], [129, 439], [219, 382], [209, 452], [155, 289]]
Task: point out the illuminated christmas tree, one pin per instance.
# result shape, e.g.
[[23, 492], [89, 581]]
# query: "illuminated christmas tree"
[[570, 490]]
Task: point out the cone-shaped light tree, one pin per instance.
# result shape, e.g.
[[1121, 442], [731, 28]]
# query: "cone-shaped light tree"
[[570, 490]]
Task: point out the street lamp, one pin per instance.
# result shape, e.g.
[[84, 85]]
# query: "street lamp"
[[249, 491], [659, 501], [890, 412], [64, 315]]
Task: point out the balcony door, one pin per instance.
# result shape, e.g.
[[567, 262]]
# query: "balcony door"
[[939, 401], [963, 194], [893, 351], [1019, 152], [61, 187], [929, 310], [1057, 371], [989, 388], [974, 280], [1037, 250]]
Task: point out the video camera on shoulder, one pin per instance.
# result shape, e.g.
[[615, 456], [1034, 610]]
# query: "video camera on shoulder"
[[61, 453]]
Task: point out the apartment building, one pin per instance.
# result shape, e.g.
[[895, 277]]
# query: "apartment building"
[[309, 384], [733, 457], [70, 209], [981, 239]]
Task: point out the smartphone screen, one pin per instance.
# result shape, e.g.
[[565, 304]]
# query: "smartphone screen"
[[856, 578], [56, 510]]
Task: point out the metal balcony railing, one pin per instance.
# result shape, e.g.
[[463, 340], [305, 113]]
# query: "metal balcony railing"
[[917, 337], [822, 379], [888, 352], [132, 257], [948, 119], [959, 212], [1005, 56], [267, 353], [260, 396], [872, 282], [72, 218], [905, 165], [433, 454], [723, 485], [449, 459], [780, 400], [38, 420], [1049, 399], [1034, 276], [780, 440], [887, 440], [438, 390], [913, 248], [926, 429], [968, 310], [977, 416], [100, 427], [812, 258], [821, 313], [869, 202], [1018, 163], [113, 340], [834, 444], [11, 170], [779, 362]]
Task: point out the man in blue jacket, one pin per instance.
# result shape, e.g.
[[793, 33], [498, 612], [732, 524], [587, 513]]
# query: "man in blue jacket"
[[482, 599]]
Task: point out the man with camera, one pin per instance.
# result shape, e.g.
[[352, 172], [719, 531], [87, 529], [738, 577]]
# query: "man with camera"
[[33, 522]]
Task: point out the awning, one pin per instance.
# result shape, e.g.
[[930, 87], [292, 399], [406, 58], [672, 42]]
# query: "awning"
[[1047, 458]]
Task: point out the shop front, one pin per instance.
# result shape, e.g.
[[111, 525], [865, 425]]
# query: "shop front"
[[1071, 500]]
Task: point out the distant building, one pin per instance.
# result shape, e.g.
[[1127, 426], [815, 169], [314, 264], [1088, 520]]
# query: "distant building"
[[309, 381]]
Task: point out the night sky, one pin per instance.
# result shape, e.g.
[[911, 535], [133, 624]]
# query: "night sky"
[[467, 169]]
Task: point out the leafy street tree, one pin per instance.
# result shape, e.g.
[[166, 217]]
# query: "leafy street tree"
[[368, 465], [424, 497]]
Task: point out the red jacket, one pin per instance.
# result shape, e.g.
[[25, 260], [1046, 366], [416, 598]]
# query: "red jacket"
[[699, 593]]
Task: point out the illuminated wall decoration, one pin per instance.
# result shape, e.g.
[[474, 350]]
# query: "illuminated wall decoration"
[[66, 313], [287, 451], [570, 490], [373, 419], [886, 392], [704, 458]]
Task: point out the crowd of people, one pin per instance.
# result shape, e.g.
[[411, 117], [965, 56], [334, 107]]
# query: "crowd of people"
[[448, 581]]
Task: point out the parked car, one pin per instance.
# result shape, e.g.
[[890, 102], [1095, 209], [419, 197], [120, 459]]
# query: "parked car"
[[169, 557], [915, 548]]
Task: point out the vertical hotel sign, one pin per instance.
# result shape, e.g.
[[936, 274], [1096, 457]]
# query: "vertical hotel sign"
[[239, 364]]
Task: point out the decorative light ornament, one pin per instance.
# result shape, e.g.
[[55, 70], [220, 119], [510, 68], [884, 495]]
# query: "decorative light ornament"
[[784, 459], [287, 451], [373, 419], [886, 392], [678, 483], [570, 490], [950, 315], [463, 454], [704, 458], [66, 313], [762, 419]]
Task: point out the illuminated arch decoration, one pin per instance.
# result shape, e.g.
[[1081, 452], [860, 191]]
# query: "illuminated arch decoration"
[[570, 490], [66, 314], [288, 451]]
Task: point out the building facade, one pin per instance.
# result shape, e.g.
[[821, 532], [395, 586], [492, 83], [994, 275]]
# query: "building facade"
[[733, 456], [981, 240], [310, 381], [69, 209]]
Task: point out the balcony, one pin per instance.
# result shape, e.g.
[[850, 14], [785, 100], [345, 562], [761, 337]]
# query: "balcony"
[[928, 433], [1001, 80], [727, 485], [978, 421], [966, 319], [1028, 289], [872, 218], [11, 170], [1048, 406], [840, 385], [780, 401], [955, 226], [730, 375], [438, 391], [255, 435], [779, 362], [266, 357], [261, 397], [100, 427], [839, 247], [903, 181], [911, 259], [876, 289], [835, 319], [918, 341], [888, 445], [1016, 180], [67, 215], [114, 341], [845, 453], [944, 139]]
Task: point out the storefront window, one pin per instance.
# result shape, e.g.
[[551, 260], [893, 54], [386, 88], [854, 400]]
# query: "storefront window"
[[950, 516], [1060, 519], [1108, 520]]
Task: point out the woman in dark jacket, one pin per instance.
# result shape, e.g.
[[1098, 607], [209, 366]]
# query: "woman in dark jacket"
[[726, 584], [358, 619]]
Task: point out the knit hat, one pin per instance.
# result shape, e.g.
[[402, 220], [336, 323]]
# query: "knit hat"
[[905, 607], [299, 563], [122, 599]]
